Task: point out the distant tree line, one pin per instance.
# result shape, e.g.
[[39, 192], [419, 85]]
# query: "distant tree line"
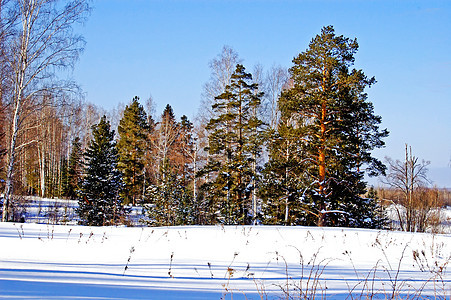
[[281, 147]]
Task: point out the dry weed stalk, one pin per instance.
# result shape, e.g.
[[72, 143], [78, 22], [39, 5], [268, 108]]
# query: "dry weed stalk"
[[309, 286]]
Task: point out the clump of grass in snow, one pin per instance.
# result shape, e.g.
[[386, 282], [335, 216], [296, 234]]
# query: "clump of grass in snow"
[[20, 232], [132, 249], [170, 266], [209, 267]]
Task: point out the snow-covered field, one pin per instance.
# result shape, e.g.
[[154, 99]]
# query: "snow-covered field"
[[39, 261]]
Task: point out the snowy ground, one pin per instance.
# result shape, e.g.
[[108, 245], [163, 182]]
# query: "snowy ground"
[[40, 261]]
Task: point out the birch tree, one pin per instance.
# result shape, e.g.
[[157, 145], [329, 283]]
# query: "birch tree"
[[275, 80], [44, 44], [222, 68], [163, 141], [7, 21]]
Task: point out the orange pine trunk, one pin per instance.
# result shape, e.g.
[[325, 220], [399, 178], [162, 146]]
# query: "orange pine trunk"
[[322, 154]]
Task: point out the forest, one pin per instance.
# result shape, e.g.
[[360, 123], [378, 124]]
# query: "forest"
[[282, 146]]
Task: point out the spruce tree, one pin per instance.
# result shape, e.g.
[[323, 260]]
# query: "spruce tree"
[[375, 215], [100, 202], [75, 169], [169, 202], [185, 144], [283, 179], [150, 161], [234, 145], [335, 129]]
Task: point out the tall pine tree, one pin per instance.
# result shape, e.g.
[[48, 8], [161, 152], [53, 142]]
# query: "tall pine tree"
[[334, 128], [100, 202], [131, 145], [234, 145]]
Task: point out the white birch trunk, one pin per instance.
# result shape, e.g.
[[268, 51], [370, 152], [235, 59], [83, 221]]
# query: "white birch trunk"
[[10, 169], [18, 90]]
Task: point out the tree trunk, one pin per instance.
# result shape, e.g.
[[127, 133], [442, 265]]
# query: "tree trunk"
[[11, 158], [194, 176], [18, 89], [287, 192], [322, 153], [322, 165], [254, 195]]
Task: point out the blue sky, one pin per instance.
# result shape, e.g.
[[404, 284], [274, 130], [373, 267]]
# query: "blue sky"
[[162, 48]]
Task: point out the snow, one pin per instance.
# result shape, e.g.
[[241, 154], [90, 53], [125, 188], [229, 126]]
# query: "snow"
[[39, 261]]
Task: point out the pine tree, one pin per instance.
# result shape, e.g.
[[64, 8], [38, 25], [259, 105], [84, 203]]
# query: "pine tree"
[[334, 127], [235, 138], [100, 202], [358, 131], [131, 146]]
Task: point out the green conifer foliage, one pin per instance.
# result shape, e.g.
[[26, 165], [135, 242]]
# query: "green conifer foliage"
[[186, 148], [333, 129], [235, 138], [100, 202], [169, 202], [64, 185], [150, 161], [283, 181], [132, 143], [75, 169], [375, 215]]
